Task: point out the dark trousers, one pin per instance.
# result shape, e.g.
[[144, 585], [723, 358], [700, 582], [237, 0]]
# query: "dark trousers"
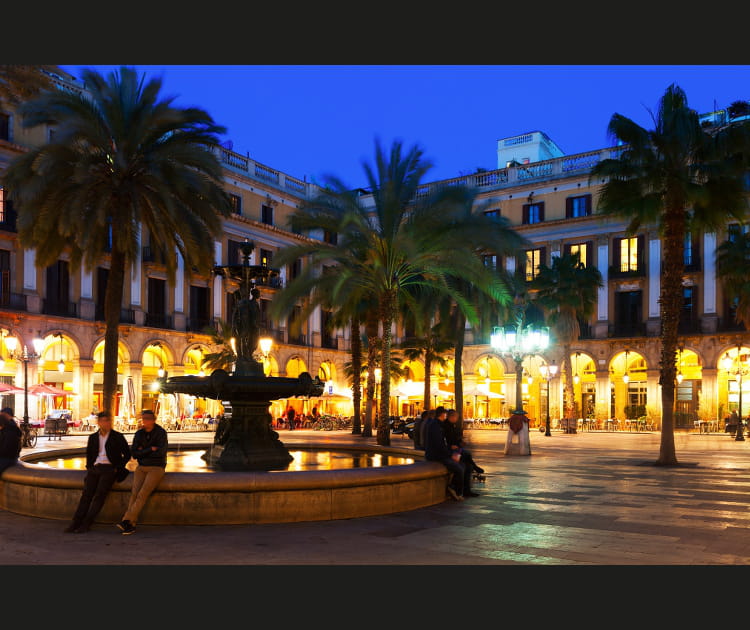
[[96, 486], [460, 479]]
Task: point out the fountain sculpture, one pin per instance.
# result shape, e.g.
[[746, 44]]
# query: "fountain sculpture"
[[245, 440]]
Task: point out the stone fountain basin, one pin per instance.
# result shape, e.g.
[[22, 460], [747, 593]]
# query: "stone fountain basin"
[[235, 498]]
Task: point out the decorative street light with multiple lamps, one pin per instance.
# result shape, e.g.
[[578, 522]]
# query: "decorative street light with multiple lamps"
[[25, 356], [739, 367], [548, 373], [517, 343]]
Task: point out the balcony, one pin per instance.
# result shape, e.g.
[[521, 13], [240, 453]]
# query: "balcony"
[[297, 340], [273, 282], [127, 315], [158, 320], [59, 308], [153, 255], [8, 221], [326, 341], [616, 272], [627, 329], [199, 324], [13, 301]]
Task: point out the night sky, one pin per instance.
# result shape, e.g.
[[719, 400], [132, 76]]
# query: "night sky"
[[309, 121]]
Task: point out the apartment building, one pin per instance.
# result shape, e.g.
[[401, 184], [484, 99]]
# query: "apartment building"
[[546, 195]]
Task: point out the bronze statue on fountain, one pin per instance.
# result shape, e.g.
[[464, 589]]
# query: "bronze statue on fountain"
[[245, 440]]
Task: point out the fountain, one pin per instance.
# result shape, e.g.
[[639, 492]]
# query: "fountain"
[[248, 478], [245, 440]]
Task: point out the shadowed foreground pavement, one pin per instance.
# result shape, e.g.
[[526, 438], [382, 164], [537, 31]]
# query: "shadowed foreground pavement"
[[589, 499]]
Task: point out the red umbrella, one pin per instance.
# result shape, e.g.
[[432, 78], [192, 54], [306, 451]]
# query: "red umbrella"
[[47, 390], [7, 388]]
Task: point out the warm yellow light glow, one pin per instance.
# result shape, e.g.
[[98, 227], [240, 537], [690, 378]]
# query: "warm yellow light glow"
[[160, 372], [61, 366], [576, 379], [679, 377], [202, 373], [154, 386], [378, 374], [233, 343], [266, 343], [11, 343], [625, 378]]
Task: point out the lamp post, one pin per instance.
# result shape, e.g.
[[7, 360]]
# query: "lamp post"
[[517, 342], [548, 373], [739, 368], [11, 343]]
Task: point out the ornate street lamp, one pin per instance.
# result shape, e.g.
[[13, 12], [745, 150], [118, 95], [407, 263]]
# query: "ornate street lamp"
[[739, 367], [517, 343], [11, 343], [548, 373]]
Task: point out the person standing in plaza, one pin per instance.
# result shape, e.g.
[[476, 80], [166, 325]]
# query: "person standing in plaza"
[[10, 441], [149, 448], [107, 453]]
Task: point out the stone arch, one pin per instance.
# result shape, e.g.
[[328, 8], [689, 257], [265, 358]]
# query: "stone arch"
[[295, 365], [192, 357], [327, 371], [97, 351], [413, 370]]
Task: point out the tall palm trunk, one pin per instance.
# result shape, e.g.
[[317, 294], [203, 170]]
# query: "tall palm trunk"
[[112, 307], [670, 300], [458, 365], [388, 311], [371, 330], [427, 378], [356, 350], [570, 398]]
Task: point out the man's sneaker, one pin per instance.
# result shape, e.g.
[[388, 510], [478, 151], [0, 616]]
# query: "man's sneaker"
[[129, 528], [454, 495], [123, 525]]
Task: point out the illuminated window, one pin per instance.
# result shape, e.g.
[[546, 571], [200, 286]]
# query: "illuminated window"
[[534, 257], [629, 254], [582, 249]]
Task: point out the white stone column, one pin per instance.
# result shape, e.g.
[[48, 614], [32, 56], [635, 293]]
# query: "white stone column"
[[179, 285], [218, 286], [602, 263], [654, 276], [86, 284], [29, 269], [709, 273], [135, 275]]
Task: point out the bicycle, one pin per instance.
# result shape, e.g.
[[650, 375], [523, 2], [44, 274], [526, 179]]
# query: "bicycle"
[[28, 435]]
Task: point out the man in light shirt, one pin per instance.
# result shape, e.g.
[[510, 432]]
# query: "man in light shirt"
[[107, 453]]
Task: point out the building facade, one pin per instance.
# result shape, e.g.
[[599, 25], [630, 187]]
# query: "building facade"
[[550, 201]]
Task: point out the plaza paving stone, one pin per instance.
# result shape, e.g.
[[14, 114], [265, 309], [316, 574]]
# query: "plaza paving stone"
[[592, 498]]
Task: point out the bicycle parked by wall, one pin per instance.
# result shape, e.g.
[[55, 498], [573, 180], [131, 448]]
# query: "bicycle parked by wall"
[[28, 435]]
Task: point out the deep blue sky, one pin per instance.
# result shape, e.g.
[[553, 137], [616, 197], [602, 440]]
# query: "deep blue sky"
[[309, 121]]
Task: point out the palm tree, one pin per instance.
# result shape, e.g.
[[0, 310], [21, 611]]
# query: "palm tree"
[[121, 159], [682, 178], [225, 356], [431, 341], [567, 292], [408, 237], [19, 83], [732, 264]]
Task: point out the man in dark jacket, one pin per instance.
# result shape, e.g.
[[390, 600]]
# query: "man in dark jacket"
[[10, 441], [150, 449], [107, 453], [436, 449]]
